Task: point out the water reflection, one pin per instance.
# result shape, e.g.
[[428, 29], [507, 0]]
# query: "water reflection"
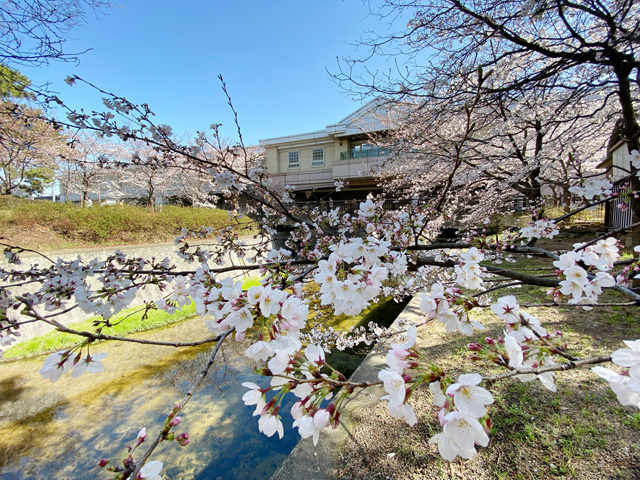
[[62, 434]]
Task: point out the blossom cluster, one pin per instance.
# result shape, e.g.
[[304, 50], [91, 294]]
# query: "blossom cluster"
[[593, 189], [627, 385], [62, 362], [463, 416], [450, 306], [353, 274], [301, 374], [526, 342], [541, 228], [468, 271], [401, 357], [584, 286]]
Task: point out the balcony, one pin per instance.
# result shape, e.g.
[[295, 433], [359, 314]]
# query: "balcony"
[[365, 153]]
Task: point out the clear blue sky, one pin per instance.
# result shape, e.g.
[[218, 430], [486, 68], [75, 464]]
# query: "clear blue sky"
[[273, 56]]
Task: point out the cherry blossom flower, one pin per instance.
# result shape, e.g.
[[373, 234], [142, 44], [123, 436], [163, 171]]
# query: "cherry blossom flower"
[[404, 410], [398, 353], [270, 424], [507, 309], [255, 294], [394, 385], [254, 396], [91, 364], [240, 319], [567, 260], [516, 357], [629, 357], [460, 434], [311, 426], [56, 364], [151, 471], [270, 301], [470, 399], [314, 354], [439, 399], [367, 209], [283, 350], [626, 388], [259, 351]]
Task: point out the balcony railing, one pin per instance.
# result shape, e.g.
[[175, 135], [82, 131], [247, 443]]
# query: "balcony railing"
[[368, 153]]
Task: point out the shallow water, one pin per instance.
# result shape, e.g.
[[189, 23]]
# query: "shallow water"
[[60, 430]]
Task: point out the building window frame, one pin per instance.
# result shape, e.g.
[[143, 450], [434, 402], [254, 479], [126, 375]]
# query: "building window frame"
[[317, 161], [294, 160]]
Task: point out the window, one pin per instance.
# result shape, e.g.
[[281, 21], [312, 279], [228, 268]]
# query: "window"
[[317, 157], [294, 160]]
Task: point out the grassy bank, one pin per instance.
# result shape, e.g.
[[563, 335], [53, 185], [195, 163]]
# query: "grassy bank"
[[46, 225], [127, 322]]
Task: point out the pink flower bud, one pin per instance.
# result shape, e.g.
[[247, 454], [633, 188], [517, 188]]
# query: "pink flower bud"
[[441, 415], [103, 462], [142, 435], [175, 421], [183, 439], [474, 347]]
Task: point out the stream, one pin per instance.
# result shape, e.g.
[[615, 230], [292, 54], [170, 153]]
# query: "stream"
[[61, 430]]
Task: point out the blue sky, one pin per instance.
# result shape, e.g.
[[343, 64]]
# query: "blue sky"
[[273, 56]]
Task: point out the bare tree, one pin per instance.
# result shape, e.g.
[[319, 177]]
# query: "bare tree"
[[34, 31]]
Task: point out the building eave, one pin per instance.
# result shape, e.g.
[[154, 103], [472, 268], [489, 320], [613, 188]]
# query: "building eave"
[[292, 139]]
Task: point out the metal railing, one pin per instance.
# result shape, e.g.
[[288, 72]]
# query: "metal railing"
[[350, 206], [368, 153], [618, 213]]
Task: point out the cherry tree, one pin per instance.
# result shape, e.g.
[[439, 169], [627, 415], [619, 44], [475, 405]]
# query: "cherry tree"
[[490, 153], [354, 260], [555, 77], [84, 167], [347, 262], [29, 147]]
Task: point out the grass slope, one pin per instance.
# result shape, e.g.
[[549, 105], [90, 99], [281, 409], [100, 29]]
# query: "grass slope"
[[126, 322], [47, 225]]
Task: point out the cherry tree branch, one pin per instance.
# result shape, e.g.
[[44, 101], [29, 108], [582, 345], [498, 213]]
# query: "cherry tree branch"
[[554, 368], [194, 386]]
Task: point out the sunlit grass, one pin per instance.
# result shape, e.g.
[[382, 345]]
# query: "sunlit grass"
[[127, 322], [70, 225]]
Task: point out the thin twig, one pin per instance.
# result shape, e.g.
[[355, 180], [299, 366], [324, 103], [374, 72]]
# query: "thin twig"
[[194, 386], [554, 368]]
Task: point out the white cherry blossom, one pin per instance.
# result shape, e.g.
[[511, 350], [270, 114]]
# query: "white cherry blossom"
[[470, 399], [459, 436]]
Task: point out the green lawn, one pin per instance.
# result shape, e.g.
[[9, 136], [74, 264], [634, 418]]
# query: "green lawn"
[[126, 322]]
